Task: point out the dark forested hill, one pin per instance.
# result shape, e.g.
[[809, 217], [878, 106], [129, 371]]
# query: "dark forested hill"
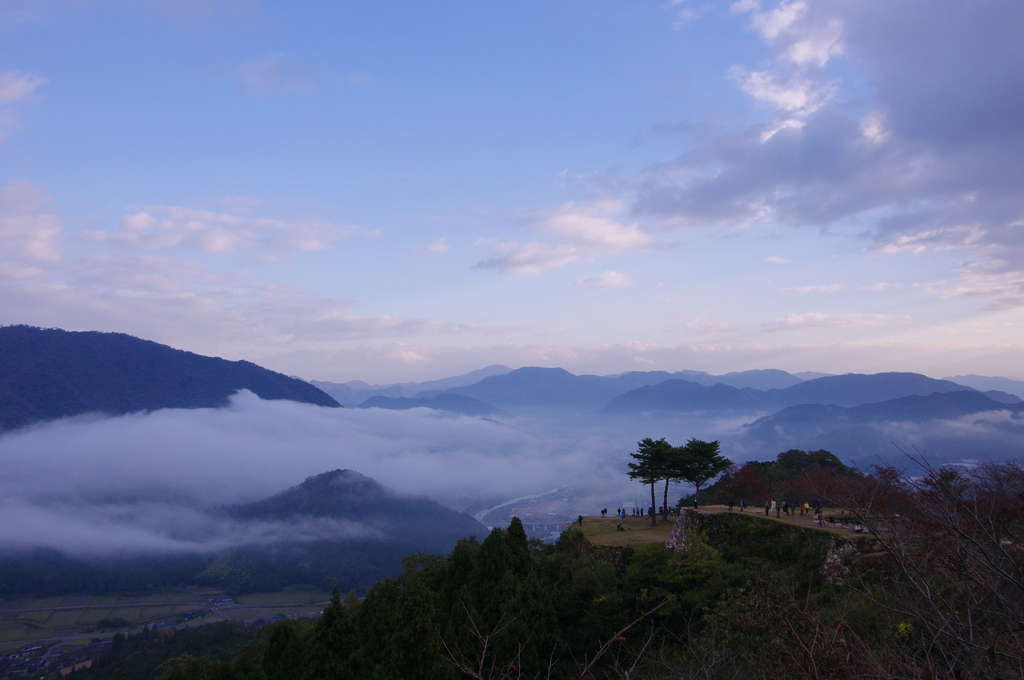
[[418, 523], [52, 373], [685, 396]]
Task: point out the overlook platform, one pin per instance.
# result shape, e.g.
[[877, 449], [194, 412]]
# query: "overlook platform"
[[638, 530]]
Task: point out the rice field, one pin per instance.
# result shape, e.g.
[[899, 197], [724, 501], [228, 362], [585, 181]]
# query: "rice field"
[[27, 619]]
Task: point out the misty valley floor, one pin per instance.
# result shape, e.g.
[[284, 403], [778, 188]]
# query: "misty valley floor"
[[74, 618]]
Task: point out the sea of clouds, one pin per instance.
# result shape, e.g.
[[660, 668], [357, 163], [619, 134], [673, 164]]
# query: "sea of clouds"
[[153, 482]]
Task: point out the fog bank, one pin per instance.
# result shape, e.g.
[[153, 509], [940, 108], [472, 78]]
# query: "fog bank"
[[144, 481]]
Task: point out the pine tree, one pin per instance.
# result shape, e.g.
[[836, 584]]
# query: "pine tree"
[[651, 457]]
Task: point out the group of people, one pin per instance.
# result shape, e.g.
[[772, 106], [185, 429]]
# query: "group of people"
[[791, 510], [636, 512], [784, 508]]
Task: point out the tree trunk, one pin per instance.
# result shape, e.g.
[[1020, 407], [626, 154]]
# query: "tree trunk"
[[654, 517], [696, 494], [664, 509]]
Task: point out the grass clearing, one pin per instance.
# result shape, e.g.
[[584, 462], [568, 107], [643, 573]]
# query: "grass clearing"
[[637, 531]]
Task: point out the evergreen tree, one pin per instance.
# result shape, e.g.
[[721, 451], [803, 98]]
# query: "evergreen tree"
[[413, 643], [651, 457], [332, 644], [699, 462]]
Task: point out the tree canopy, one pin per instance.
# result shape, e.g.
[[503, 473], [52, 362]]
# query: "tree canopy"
[[699, 462], [652, 464]]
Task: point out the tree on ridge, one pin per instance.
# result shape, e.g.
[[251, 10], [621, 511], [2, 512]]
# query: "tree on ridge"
[[699, 462], [651, 458]]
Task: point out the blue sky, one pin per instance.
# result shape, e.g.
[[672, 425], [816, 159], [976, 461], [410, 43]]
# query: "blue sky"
[[407, 190]]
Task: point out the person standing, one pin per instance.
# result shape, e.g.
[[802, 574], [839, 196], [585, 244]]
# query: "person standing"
[[766, 506], [743, 505]]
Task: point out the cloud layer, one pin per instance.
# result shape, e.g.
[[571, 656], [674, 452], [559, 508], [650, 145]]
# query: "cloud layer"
[[140, 482], [917, 145]]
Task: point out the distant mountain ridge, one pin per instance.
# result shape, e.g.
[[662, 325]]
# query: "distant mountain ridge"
[[847, 390], [876, 428], [52, 373], [542, 387], [356, 391], [986, 383]]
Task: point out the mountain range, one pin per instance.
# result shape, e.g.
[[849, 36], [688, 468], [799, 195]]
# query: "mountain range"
[[50, 373], [841, 390], [356, 392]]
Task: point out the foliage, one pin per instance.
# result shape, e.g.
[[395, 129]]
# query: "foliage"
[[795, 475], [939, 595], [697, 463], [652, 465]]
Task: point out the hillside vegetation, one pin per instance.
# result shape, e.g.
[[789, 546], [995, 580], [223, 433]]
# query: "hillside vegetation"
[[933, 593]]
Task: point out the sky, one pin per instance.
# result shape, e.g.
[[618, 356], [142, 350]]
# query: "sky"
[[398, 191]]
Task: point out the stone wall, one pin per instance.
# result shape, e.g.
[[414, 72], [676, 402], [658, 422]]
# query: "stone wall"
[[746, 534]]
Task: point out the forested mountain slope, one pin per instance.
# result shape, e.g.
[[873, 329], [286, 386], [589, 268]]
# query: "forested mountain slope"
[[52, 373]]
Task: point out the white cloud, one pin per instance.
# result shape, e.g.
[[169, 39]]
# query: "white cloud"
[[530, 258], [778, 260], [610, 279], [956, 237], [15, 87], [26, 233], [818, 320], [793, 93], [437, 246], [775, 22], [817, 46], [873, 127], [146, 287], [704, 326], [169, 227], [879, 287], [277, 74], [588, 231], [593, 226], [814, 289]]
